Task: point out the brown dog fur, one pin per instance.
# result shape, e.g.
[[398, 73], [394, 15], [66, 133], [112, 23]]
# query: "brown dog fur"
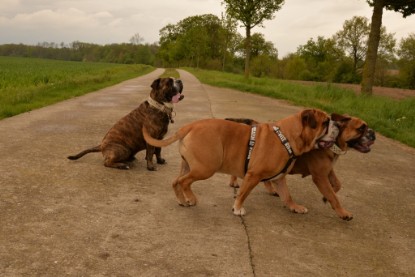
[[319, 163], [125, 138], [216, 145]]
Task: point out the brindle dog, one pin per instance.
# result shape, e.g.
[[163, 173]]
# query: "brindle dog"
[[125, 138]]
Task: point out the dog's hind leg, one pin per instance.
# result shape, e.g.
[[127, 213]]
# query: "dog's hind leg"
[[176, 187], [184, 183], [115, 157]]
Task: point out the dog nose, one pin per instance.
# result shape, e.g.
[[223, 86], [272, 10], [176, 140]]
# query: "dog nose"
[[371, 134]]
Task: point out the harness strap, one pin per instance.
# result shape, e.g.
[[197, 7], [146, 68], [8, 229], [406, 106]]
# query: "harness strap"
[[292, 156], [251, 144], [284, 141]]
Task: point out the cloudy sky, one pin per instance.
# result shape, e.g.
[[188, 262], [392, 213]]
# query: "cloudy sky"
[[116, 21]]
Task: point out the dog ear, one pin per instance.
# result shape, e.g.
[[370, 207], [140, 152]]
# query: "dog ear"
[[156, 83], [340, 118], [308, 118]]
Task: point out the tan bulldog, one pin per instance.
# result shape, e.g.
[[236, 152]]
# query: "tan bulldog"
[[319, 163], [217, 145]]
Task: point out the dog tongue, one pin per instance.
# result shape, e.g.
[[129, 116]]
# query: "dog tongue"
[[176, 98]]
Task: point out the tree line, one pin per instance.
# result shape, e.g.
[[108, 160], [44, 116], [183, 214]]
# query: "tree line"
[[125, 53], [211, 42]]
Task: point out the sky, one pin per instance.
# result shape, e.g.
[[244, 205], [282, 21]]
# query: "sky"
[[116, 21]]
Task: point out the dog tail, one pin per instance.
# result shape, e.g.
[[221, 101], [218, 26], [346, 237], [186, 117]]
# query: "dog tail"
[[181, 133], [246, 121], [86, 151]]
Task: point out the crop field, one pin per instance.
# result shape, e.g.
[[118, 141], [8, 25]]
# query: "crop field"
[[27, 83]]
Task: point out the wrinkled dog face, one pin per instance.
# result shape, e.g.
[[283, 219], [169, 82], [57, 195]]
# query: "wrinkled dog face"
[[315, 126], [365, 139], [330, 137], [354, 132], [167, 90]]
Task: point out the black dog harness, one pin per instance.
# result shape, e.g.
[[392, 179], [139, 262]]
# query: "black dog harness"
[[284, 141]]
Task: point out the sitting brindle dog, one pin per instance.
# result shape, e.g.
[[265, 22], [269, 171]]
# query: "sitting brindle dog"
[[125, 138]]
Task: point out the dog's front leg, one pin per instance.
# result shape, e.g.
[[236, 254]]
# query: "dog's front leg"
[[149, 157], [233, 182], [160, 160], [334, 181], [324, 186], [249, 182], [282, 190], [270, 188]]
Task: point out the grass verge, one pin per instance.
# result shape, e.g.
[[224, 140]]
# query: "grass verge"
[[392, 118]]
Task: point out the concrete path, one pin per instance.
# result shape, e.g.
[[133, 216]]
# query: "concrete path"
[[78, 218]]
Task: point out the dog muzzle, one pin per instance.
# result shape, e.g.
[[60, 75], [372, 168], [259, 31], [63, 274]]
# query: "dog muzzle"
[[177, 98], [327, 140], [178, 86]]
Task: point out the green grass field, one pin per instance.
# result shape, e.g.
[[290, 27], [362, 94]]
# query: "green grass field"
[[27, 83], [392, 118]]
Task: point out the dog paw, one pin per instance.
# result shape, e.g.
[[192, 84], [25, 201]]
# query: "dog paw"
[[124, 167], [152, 168], [348, 218], [234, 184], [345, 215], [161, 161], [298, 209], [191, 202], [240, 212]]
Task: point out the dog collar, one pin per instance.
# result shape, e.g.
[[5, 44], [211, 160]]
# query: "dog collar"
[[165, 107], [337, 150]]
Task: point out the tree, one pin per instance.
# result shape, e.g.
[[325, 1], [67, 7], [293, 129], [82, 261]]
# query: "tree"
[[294, 67], [136, 39], [230, 37], [251, 13], [406, 54], [193, 40], [264, 57], [406, 8], [321, 57], [353, 38]]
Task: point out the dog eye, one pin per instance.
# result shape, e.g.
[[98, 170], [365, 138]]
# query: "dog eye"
[[362, 128], [326, 123]]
